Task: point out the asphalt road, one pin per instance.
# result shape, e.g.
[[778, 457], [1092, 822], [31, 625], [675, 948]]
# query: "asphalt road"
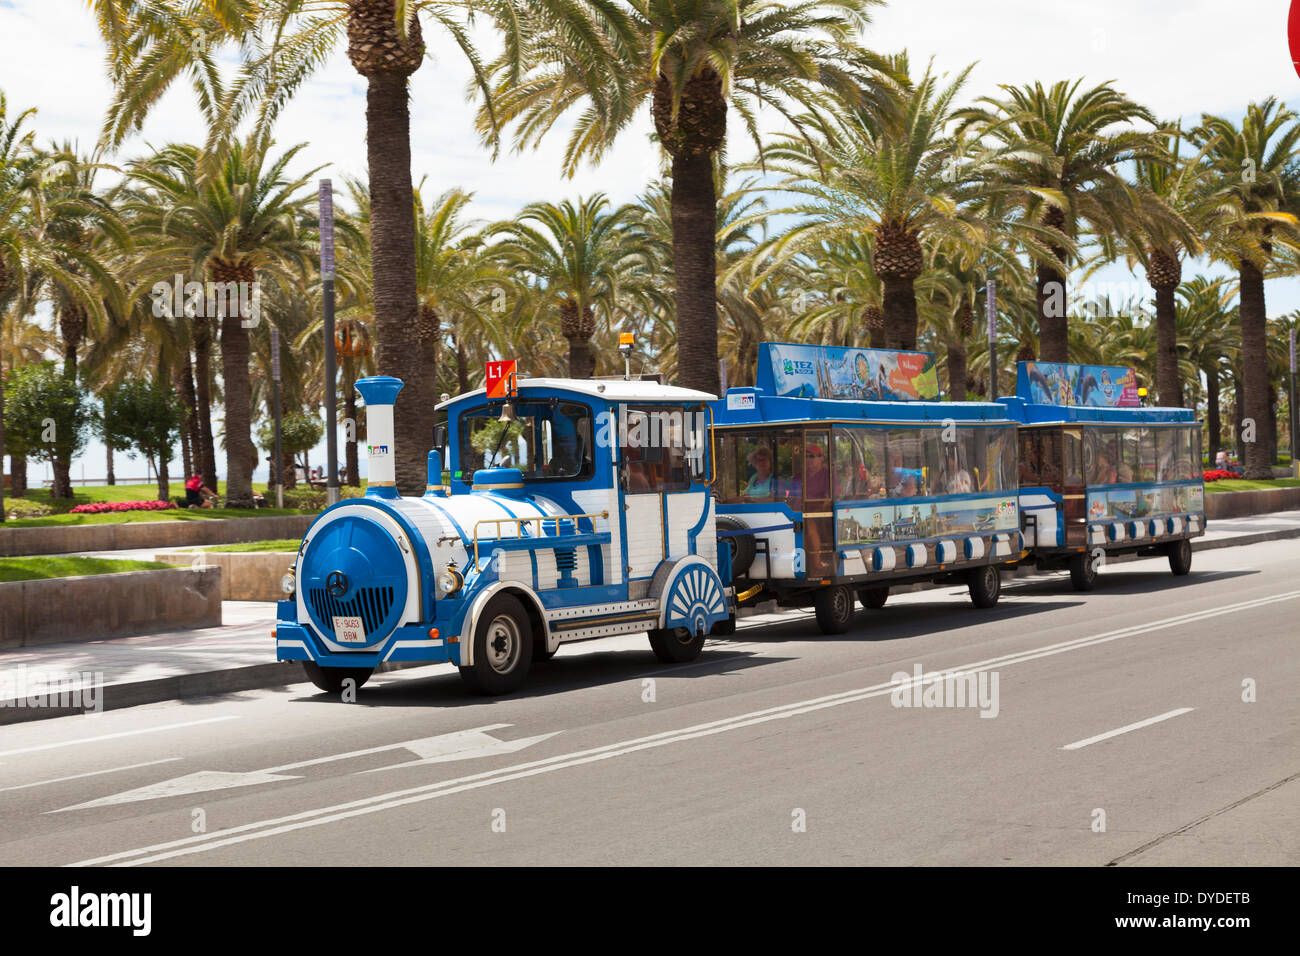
[[780, 746]]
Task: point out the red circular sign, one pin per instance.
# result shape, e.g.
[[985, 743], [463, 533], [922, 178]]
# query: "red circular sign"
[[1293, 34]]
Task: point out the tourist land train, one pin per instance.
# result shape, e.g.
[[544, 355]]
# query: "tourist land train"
[[561, 510]]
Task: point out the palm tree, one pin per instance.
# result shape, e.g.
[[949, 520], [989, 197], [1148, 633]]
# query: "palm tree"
[[1173, 209], [905, 182], [244, 225], [588, 259], [281, 43], [1061, 165], [1256, 187], [689, 60]]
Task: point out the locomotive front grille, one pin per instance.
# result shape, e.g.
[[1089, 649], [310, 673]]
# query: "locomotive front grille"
[[370, 604]]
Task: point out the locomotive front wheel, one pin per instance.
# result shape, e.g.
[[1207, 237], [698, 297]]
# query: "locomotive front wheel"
[[330, 679], [1180, 557], [1083, 572], [503, 648], [873, 599], [675, 645], [834, 607], [985, 586]]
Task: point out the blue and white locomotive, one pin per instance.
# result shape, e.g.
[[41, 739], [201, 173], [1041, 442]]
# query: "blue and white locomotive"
[[571, 510]]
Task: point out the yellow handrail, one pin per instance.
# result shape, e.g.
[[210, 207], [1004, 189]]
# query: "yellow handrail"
[[519, 526]]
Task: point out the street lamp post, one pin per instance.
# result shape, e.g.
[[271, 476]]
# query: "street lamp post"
[[1295, 412], [277, 467], [327, 288], [991, 304]]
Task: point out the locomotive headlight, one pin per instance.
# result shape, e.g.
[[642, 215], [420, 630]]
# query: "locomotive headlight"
[[450, 581], [288, 584]]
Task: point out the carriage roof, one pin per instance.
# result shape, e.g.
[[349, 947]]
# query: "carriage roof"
[[1030, 414], [609, 390], [752, 406]]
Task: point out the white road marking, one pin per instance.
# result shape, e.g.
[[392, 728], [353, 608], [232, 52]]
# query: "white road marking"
[[124, 733], [93, 773], [310, 818], [1123, 730], [459, 745]]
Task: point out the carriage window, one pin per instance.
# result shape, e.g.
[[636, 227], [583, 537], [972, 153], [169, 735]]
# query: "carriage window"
[[1052, 455], [905, 476], [1146, 470], [543, 442], [1072, 446], [817, 466], [869, 462], [1166, 444], [1101, 455], [663, 448], [1130, 463], [789, 469], [1031, 456], [749, 464], [849, 468], [1194, 434]]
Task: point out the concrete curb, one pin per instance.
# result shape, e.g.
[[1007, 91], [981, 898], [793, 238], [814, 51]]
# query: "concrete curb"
[[283, 673], [127, 536], [178, 687]]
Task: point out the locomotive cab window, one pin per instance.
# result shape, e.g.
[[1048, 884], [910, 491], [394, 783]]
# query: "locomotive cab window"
[[546, 441], [663, 448]]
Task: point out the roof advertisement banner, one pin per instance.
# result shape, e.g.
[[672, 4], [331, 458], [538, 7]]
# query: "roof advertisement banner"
[[823, 371], [1098, 386]]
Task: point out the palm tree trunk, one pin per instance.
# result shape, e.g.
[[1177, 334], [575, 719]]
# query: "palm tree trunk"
[[189, 419], [62, 487], [1053, 326], [207, 457], [164, 481], [234, 372], [900, 312], [462, 366], [18, 476], [1238, 412], [111, 479], [1254, 369], [694, 216], [392, 245], [1212, 421], [957, 373], [1168, 387], [12, 478]]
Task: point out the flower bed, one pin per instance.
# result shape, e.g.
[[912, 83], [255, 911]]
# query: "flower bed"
[[104, 507], [1220, 474]]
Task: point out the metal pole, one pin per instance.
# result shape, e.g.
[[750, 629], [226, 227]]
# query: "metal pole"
[[277, 462], [327, 284], [991, 302], [1295, 412]]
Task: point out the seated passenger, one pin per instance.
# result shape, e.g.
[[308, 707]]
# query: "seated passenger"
[[819, 476], [760, 485]]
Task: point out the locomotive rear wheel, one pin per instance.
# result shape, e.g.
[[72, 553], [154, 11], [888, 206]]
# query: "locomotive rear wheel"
[[675, 645], [503, 648], [985, 585], [834, 607], [330, 679]]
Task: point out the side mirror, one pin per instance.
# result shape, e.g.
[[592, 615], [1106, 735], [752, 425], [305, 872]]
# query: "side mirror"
[[440, 436]]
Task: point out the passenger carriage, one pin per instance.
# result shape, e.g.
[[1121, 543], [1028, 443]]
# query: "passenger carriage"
[[1102, 475], [568, 510], [840, 475]]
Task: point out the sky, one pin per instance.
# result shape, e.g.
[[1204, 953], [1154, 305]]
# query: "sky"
[[1178, 59]]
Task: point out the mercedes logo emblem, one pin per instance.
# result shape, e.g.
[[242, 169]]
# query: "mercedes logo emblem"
[[336, 584]]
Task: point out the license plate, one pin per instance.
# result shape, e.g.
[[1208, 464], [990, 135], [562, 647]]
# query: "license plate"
[[349, 630]]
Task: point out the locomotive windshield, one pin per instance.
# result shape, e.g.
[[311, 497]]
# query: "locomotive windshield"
[[545, 441]]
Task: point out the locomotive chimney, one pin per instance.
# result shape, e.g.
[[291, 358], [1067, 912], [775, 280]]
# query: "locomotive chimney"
[[379, 392]]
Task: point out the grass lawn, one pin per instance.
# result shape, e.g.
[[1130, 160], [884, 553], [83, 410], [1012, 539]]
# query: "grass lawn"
[[283, 544], [1245, 484], [172, 514], [85, 495], [32, 569]]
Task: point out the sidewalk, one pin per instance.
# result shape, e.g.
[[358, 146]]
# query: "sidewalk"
[[239, 655]]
